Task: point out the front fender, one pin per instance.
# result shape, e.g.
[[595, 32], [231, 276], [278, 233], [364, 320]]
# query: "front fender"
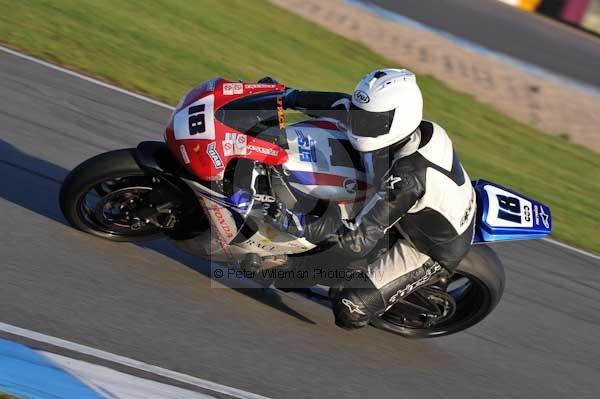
[[155, 157]]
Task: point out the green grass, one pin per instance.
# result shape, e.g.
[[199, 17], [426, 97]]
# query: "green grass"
[[162, 48]]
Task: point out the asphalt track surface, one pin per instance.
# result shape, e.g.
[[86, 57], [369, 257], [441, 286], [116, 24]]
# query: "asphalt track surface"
[[154, 304], [528, 37]]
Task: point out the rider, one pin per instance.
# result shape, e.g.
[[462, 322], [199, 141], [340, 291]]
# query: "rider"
[[422, 189]]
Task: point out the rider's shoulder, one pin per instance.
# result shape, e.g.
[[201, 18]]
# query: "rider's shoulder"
[[435, 145], [433, 136]]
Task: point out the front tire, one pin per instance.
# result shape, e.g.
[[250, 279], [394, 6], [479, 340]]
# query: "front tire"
[[115, 173], [474, 291]]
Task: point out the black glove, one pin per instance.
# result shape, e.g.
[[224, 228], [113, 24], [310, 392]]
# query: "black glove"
[[285, 220], [290, 98]]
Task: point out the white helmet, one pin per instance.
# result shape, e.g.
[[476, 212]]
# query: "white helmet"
[[387, 107]]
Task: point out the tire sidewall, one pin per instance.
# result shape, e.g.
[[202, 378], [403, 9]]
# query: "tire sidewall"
[[95, 170], [482, 264]]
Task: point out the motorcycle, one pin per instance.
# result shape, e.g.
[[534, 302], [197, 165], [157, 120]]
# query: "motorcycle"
[[206, 188]]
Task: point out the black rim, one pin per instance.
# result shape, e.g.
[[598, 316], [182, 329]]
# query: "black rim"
[[111, 206], [457, 303]]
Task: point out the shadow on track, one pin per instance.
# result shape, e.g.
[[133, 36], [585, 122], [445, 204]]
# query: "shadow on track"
[[34, 183]]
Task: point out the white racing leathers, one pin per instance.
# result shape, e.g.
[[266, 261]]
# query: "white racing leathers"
[[425, 194]]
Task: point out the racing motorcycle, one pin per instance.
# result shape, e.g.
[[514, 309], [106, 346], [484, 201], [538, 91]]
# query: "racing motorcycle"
[[206, 188]]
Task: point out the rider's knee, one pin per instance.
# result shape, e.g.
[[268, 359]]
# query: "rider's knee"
[[354, 307]]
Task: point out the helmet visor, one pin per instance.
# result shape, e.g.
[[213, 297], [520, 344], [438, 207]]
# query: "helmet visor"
[[370, 124]]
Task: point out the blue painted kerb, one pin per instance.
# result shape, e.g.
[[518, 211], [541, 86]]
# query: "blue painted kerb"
[[27, 374]]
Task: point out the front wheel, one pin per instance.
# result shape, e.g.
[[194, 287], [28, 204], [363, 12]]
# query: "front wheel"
[[444, 308], [106, 195]]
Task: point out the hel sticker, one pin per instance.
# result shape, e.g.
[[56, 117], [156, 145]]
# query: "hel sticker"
[[184, 154], [214, 155], [361, 97]]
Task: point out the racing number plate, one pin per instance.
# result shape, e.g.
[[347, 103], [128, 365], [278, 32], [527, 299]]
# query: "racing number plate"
[[506, 209]]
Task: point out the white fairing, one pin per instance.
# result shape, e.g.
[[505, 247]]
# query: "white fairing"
[[268, 241], [321, 162], [456, 203]]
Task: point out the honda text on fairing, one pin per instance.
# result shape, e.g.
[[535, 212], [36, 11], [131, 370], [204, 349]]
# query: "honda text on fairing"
[[206, 189]]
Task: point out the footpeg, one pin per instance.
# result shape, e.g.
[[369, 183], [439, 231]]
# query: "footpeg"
[[251, 263]]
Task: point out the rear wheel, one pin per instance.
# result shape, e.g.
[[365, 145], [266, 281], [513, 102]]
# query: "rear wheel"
[[449, 306], [108, 195]]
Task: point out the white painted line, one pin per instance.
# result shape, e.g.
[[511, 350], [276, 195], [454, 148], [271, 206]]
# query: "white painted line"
[[125, 361], [167, 106], [570, 248], [109, 383]]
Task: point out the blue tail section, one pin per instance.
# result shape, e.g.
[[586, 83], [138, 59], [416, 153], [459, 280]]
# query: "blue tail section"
[[506, 215]]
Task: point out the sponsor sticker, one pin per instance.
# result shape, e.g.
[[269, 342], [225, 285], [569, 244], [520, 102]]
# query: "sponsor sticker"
[[227, 148], [260, 86], [234, 144], [241, 144], [467, 215], [352, 307], [306, 147], [350, 185], [263, 150], [210, 85], [361, 97], [214, 155], [545, 218], [230, 89], [184, 154], [265, 246], [527, 213], [224, 227], [280, 113]]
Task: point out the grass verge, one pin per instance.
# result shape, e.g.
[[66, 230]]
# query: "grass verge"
[[164, 47]]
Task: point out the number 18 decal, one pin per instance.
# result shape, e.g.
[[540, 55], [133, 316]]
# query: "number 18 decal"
[[506, 209], [510, 208], [196, 121]]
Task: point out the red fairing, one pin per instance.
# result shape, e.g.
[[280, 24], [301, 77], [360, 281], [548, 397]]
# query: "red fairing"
[[204, 144]]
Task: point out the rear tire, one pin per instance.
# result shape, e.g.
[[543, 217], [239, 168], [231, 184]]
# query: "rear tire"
[[92, 173], [485, 273]]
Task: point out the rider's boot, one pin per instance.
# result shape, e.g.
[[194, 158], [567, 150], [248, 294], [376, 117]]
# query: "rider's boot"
[[360, 300]]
